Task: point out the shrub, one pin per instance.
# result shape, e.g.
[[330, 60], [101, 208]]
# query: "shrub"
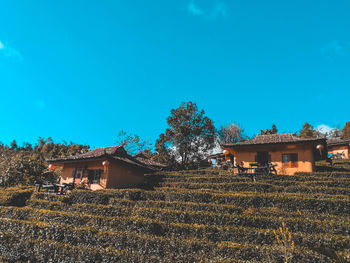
[[15, 196]]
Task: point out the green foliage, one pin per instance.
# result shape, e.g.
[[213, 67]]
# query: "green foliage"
[[15, 196], [188, 138], [27, 165], [307, 131], [273, 130], [346, 131], [189, 216], [133, 144]]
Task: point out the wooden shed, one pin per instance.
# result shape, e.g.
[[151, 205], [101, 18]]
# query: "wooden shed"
[[290, 153], [101, 168]]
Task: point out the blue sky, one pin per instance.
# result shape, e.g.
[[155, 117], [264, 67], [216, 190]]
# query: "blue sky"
[[84, 70]]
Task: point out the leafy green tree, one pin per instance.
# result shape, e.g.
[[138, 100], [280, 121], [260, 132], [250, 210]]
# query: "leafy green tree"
[[346, 131], [27, 164], [189, 137], [273, 130], [163, 152], [307, 131], [27, 146], [14, 145], [231, 133], [336, 133], [133, 144]]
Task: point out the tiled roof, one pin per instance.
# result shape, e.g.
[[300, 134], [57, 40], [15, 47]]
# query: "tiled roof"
[[113, 152], [143, 159], [337, 141], [274, 139], [216, 155], [98, 152]]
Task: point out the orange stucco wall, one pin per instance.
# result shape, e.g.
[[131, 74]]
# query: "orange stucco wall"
[[68, 169], [121, 175], [117, 174], [305, 156], [339, 149]]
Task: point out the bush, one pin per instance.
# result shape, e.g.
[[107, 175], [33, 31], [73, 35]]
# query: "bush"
[[15, 196]]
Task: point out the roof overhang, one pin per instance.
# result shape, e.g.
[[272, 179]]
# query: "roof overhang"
[[247, 145]]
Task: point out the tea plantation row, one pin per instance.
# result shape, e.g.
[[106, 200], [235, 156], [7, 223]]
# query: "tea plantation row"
[[186, 216]]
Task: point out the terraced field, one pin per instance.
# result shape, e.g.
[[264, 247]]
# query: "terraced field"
[[187, 216]]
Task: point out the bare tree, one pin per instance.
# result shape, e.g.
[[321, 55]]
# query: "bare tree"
[[231, 133]]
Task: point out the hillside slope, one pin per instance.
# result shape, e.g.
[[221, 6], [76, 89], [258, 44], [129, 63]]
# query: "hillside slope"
[[186, 216]]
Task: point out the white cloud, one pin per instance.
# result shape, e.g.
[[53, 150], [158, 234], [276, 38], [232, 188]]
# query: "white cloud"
[[324, 129], [218, 10], [9, 51], [217, 148]]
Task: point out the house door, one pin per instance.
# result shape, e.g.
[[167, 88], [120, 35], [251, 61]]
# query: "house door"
[[77, 175], [262, 158]]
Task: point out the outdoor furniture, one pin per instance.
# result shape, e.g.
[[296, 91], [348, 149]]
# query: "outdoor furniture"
[[54, 188], [49, 188], [255, 169], [241, 169], [267, 169]]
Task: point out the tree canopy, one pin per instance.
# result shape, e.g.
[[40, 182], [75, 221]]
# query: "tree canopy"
[[133, 144], [273, 130], [231, 133], [307, 131], [188, 138], [27, 164], [346, 131]]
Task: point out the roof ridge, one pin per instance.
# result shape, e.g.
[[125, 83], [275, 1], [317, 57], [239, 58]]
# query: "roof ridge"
[[274, 139]]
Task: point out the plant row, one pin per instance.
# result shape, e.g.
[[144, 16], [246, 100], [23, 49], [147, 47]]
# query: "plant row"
[[165, 227], [336, 204], [331, 226], [329, 182], [295, 177], [259, 187], [118, 203], [15, 248], [144, 247], [249, 193]]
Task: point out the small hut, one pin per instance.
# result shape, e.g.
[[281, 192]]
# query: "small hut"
[[101, 168], [288, 152], [339, 148]]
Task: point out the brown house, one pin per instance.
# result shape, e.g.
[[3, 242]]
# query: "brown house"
[[290, 153], [339, 148], [108, 167]]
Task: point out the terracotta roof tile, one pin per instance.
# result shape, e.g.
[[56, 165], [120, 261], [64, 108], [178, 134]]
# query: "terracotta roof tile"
[[274, 139], [143, 159], [113, 152], [337, 141]]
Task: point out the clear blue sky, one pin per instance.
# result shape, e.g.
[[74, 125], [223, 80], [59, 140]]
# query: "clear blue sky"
[[83, 70]]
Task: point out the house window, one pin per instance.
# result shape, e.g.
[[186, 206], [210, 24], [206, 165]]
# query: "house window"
[[94, 176], [78, 173], [290, 160]]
